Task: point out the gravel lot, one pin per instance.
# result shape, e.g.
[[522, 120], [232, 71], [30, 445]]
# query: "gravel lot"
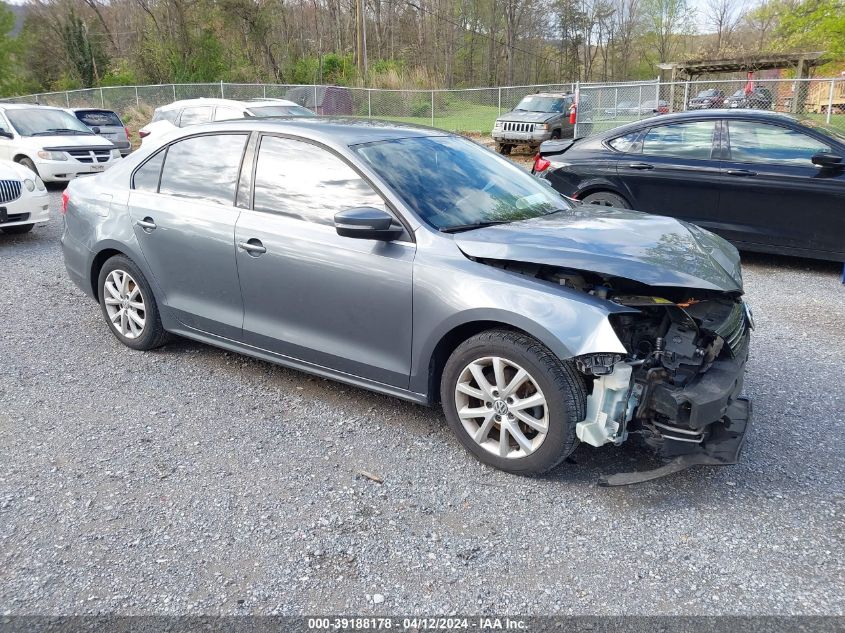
[[190, 480]]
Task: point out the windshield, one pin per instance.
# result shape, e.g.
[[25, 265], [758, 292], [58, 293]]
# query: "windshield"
[[828, 129], [44, 122], [707, 93], [541, 104], [739, 93], [452, 182], [280, 110]]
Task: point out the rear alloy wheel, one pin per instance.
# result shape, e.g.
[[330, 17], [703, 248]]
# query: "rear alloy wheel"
[[511, 402], [606, 199], [129, 306]]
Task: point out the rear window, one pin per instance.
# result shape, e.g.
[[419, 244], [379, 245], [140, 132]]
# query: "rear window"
[[99, 118], [280, 110]]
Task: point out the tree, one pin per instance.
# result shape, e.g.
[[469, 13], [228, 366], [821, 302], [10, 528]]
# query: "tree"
[[816, 24], [8, 48], [666, 22], [723, 17]]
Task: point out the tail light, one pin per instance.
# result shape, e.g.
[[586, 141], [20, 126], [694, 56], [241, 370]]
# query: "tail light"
[[65, 200], [126, 129], [143, 133], [541, 164]]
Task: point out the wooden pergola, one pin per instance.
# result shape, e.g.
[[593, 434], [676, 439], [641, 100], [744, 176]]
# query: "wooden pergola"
[[801, 62]]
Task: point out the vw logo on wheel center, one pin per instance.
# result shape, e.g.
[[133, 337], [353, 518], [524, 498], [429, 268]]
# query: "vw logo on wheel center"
[[500, 407]]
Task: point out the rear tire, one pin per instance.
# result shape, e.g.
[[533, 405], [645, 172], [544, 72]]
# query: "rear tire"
[[19, 229], [28, 164], [128, 305], [501, 379], [606, 199], [504, 149]]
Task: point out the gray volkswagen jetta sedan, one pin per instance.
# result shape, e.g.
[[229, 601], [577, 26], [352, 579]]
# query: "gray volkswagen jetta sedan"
[[416, 263]]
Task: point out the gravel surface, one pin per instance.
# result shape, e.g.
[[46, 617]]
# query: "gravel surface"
[[191, 480]]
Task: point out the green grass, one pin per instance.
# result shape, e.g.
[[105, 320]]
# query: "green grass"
[[459, 117]]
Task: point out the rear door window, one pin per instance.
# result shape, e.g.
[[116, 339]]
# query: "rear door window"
[[754, 142], [693, 139], [147, 175], [204, 168], [195, 116]]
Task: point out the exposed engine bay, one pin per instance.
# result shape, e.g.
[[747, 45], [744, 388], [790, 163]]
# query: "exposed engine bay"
[[678, 387]]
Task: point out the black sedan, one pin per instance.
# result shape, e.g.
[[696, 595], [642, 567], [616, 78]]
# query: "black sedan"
[[765, 181]]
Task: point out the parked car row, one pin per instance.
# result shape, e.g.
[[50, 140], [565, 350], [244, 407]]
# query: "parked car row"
[[41, 144]]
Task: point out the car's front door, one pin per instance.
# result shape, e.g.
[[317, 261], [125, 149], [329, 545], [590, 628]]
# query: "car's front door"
[[308, 293], [672, 169], [183, 210], [772, 193]]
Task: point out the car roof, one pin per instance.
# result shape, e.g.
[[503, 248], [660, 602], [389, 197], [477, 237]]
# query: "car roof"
[[214, 101], [716, 113], [91, 109], [329, 130], [27, 106]]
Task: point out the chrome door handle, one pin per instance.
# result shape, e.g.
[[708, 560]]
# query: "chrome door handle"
[[147, 224], [640, 166], [741, 172], [253, 247]]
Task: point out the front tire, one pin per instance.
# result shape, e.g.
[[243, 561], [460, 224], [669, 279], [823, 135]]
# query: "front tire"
[[129, 306], [19, 229], [606, 199], [511, 402], [504, 149]]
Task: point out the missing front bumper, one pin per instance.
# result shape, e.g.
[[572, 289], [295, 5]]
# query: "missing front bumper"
[[721, 448]]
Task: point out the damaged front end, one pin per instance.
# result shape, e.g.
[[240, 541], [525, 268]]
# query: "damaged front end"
[[678, 388]]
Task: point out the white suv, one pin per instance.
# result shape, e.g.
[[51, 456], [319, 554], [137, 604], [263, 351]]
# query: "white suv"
[[52, 143], [194, 111]]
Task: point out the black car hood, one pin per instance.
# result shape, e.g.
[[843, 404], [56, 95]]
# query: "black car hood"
[[529, 117], [649, 249]]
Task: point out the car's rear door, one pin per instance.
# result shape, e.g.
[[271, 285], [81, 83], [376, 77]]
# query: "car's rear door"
[[672, 169], [310, 294], [184, 219], [773, 196]]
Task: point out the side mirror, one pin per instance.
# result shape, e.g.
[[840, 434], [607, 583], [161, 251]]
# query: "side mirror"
[[823, 159], [366, 223], [5, 134]]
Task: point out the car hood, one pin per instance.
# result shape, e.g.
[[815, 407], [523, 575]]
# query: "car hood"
[[649, 249], [14, 171], [529, 117], [72, 140]]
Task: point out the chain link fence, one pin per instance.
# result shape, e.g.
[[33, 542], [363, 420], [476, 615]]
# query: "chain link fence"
[[474, 110], [469, 110], [602, 107]]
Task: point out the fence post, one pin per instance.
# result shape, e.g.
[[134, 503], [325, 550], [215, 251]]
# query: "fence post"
[[265, 90], [137, 98], [829, 111], [686, 95], [67, 98], [577, 92], [432, 108], [369, 103], [102, 99], [500, 101], [315, 99], [222, 96], [657, 93], [174, 91]]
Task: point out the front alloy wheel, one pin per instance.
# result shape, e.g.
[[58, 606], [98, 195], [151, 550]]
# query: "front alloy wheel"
[[511, 402], [501, 407]]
